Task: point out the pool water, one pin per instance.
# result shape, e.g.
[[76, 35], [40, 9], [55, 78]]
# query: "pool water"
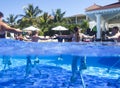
[[95, 66], [55, 59]]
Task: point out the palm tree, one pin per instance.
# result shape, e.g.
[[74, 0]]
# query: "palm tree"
[[58, 15], [31, 13], [84, 25], [11, 20], [44, 22], [45, 18]]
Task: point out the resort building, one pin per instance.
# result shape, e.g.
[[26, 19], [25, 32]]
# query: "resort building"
[[76, 19], [104, 17]]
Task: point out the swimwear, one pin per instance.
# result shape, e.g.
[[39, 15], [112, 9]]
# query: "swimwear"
[[2, 35]]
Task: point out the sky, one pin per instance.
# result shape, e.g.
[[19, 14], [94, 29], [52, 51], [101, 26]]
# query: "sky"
[[71, 7]]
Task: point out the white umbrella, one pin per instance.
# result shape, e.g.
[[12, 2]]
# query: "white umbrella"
[[59, 28], [31, 28]]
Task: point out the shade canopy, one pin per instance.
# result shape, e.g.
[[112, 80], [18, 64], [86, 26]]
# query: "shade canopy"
[[59, 28], [31, 28]]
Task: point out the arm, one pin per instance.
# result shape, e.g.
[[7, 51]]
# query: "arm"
[[114, 37], [64, 36], [5, 27], [41, 38], [86, 36]]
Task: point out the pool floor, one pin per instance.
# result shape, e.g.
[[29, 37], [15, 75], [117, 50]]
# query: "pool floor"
[[53, 75]]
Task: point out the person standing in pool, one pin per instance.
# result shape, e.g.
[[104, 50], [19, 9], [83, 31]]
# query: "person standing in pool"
[[6, 61], [115, 33], [77, 36], [35, 37], [4, 27]]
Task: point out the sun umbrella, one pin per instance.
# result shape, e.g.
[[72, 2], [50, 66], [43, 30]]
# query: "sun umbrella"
[[59, 28], [31, 28]]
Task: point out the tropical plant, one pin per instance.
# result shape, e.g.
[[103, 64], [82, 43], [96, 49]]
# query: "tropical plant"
[[45, 18], [31, 11], [43, 22], [29, 18], [12, 20], [58, 15], [84, 25]]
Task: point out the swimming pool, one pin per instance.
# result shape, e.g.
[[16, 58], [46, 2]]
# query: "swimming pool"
[[101, 58]]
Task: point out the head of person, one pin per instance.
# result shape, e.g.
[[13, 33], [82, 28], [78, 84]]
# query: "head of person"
[[115, 30], [1, 15], [76, 29], [35, 32]]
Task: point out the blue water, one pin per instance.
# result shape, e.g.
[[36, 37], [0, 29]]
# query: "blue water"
[[18, 48], [100, 57]]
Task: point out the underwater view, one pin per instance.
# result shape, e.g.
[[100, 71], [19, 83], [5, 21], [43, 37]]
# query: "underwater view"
[[59, 65]]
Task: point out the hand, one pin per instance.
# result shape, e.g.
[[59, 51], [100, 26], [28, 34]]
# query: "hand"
[[29, 32], [18, 30], [93, 36], [108, 37]]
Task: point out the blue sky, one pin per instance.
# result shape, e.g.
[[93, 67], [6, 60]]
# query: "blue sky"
[[71, 7]]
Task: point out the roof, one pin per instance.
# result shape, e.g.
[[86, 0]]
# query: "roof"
[[114, 5], [95, 6], [78, 15]]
